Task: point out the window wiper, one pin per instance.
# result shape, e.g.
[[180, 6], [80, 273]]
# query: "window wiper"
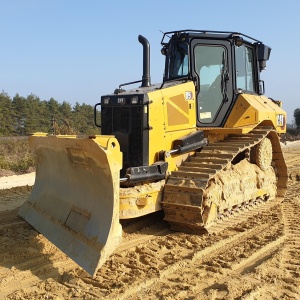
[[224, 79]]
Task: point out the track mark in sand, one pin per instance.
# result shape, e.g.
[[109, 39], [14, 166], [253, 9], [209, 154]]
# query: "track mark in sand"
[[141, 230], [26, 257], [292, 158], [291, 253], [262, 255], [231, 251], [11, 200], [42, 269], [139, 239], [243, 214]]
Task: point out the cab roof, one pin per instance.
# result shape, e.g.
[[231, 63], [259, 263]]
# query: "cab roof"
[[210, 34]]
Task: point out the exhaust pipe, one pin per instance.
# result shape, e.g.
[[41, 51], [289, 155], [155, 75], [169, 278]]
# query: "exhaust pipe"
[[146, 61]]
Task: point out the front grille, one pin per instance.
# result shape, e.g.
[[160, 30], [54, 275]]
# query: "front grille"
[[127, 124]]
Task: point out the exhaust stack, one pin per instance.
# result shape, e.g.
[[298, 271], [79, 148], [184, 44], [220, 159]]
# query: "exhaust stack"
[[146, 61]]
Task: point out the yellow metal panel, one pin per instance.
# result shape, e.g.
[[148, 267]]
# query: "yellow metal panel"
[[181, 103], [175, 116], [179, 106], [141, 200], [252, 110], [242, 114], [157, 140], [172, 114]]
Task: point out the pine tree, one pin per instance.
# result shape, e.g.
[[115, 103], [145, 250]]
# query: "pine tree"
[[297, 117], [84, 119], [33, 117], [19, 107], [6, 115]]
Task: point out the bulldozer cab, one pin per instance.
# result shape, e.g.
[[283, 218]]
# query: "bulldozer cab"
[[221, 64]]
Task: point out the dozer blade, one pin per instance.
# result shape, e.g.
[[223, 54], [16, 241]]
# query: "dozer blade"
[[75, 200]]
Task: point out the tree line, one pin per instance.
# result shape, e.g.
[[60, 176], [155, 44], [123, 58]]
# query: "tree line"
[[25, 115], [297, 117]]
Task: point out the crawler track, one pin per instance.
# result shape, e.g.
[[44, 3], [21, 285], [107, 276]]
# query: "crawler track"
[[211, 183]]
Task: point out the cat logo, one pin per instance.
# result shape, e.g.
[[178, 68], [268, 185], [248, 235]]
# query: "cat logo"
[[121, 100], [280, 120]]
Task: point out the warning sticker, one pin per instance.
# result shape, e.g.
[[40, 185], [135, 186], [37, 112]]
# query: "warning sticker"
[[188, 95], [205, 115]]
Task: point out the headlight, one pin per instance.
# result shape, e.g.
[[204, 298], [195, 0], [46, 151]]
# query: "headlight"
[[106, 100], [134, 100]]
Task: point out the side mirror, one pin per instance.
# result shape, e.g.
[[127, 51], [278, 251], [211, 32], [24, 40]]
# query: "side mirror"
[[263, 55]]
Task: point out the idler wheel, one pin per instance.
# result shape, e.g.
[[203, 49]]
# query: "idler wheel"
[[263, 154]]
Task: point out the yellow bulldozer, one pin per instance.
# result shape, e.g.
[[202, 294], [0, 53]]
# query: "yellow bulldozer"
[[198, 145]]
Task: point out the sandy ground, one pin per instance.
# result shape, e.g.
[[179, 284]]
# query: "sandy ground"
[[255, 255], [8, 182]]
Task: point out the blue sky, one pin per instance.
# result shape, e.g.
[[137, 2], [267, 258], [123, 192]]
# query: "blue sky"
[[75, 50]]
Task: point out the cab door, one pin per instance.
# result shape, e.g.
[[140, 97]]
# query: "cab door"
[[213, 68]]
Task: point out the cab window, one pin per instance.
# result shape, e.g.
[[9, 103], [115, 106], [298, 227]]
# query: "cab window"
[[244, 68], [178, 61]]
